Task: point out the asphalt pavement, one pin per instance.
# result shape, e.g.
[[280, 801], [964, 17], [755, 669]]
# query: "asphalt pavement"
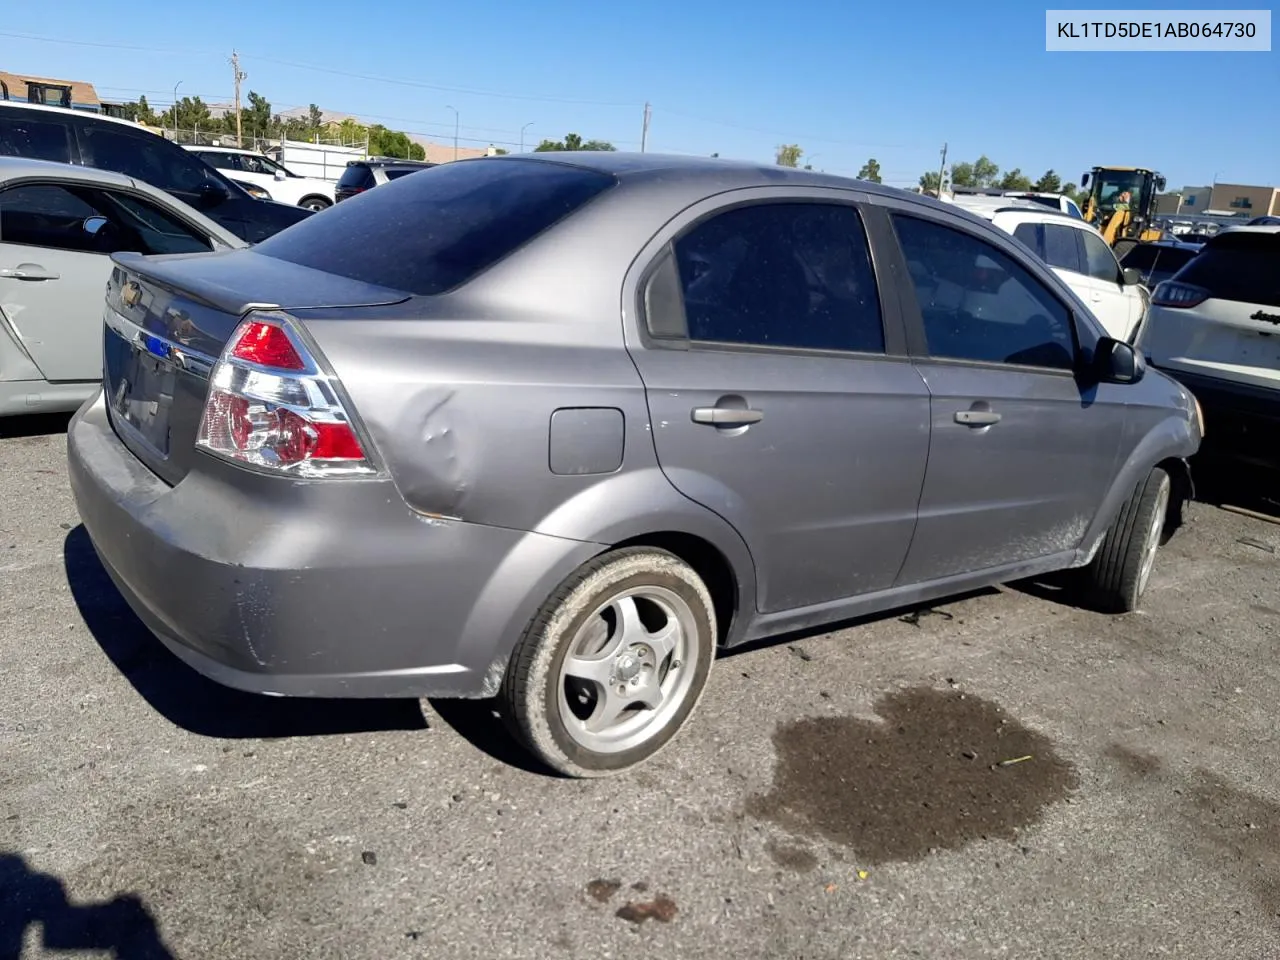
[[1002, 775]]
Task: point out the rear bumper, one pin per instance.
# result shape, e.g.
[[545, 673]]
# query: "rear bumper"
[[309, 589]]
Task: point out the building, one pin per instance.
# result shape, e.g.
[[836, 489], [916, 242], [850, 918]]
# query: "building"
[[1221, 199], [443, 152], [74, 94]]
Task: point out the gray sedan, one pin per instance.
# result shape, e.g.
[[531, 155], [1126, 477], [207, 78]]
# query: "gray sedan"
[[59, 225], [556, 429]]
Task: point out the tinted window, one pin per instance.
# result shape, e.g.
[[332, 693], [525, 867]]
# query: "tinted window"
[[223, 161], [1062, 247], [356, 175], [781, 275], [34, 138], [394, 174], [1100, 262], [979, 304], [1240, 267], [45, 215], [145, 157], [1141, 257], [428, 234], [1029, 233]]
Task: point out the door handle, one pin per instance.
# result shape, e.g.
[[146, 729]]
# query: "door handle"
[[27, 271], [726, 416], [977, 418]]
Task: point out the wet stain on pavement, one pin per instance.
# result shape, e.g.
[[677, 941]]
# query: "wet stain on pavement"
[[927, 777], [1236, 832], [602, 890], [661, 908], [792, 857]]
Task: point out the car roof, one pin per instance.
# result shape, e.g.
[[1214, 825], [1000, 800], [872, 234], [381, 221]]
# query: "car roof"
[[81, 114], [11, 167], [201, 146]]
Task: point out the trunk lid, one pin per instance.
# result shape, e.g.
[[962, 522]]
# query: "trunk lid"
[[166, 321]]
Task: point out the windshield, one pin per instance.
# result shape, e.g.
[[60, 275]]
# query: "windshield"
[[1109, 187]]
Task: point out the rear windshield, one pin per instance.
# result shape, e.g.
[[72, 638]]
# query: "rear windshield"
[[430, 233], [1241, 267], [356, 175], [1168, 259]]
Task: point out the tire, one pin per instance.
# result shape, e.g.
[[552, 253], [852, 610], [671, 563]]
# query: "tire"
[[1118, 575], [315, 204], [561, 716]]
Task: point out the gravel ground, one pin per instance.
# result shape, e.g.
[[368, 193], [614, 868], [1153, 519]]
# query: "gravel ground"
[[837, 795]]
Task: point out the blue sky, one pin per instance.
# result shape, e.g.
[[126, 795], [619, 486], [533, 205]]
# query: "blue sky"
[[845, 81]]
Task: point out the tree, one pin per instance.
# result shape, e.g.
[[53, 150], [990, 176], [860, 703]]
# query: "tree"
[[500, 151], [789, 155], [140, 112], [572, 142], [393, 143], [1049, 183], [929, 182], [870, 171], [193, 114], [962, 175], [1014, 180], [985, 172]]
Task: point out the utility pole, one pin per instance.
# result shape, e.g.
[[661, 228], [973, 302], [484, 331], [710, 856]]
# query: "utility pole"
[[455, 129], [175, 110], [239, 76], [522, 130], [644, 133], [942, 170]]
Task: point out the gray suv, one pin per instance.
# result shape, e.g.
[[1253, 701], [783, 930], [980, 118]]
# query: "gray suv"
[[555, 429]]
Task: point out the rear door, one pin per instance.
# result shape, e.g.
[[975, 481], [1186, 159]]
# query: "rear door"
[[1019, 456], [779, 392]]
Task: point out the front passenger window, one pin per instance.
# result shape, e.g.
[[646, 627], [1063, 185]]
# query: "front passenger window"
[[1100, 261], [979, 304]]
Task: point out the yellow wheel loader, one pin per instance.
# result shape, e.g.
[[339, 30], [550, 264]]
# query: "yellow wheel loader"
[[1121, 203]]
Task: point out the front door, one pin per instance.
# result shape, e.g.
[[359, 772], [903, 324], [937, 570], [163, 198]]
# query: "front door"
[[1019, 456], [1117, 305], [774, 401]]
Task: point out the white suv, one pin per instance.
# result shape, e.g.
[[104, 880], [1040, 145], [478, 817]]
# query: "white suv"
[[1215, 326], [281, 184], [1078, 254]]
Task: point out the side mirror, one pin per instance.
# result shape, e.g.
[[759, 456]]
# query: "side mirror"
[[1160, 182], [212, 193], [93, 225], [1084, 181], [1132, 276], [280, 175], [1115, 361]]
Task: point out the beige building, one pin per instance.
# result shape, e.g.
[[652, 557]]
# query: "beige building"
[[1222, 199]]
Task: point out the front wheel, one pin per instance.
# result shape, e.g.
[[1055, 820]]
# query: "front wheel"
[[613, 664], [1119, 573], [315, 204]]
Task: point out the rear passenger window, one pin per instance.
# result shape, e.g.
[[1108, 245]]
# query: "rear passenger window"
[[979, 304], [1029, 233], [34, 139], [793, 275], [1062, 247], [146, 157]]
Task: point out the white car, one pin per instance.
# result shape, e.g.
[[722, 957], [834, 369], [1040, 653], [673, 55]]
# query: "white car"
[[1078, 254], [281, 184], [59, 225], [1215, 326]]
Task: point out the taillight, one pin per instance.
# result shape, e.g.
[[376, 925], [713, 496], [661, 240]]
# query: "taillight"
[[270, 406], [1171, 293]]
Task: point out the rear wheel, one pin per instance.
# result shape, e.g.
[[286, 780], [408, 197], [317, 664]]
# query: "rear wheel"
[[315, 203], [613, 665], [1119, 573]]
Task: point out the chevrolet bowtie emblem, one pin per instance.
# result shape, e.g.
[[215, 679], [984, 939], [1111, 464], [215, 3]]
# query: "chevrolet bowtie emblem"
[[131, 294]]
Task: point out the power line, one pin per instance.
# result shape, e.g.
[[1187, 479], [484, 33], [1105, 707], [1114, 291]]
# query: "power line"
[[372, 78]]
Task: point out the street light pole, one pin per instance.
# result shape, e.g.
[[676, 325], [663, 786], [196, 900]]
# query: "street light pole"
[[175, 110], [455, 130], [522, 130]]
